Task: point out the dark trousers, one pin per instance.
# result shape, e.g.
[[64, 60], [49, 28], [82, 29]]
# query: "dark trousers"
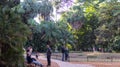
[[63, 56], [66, 56], [49, 60]]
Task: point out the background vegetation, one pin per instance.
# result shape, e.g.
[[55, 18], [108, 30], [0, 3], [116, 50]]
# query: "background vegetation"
[[87, 25]]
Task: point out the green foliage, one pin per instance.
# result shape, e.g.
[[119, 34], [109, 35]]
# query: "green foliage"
[[90, 23], [101, 25], [116, 43], [84, 19], [13, 35], [76, 16], [30, 9], [54, 33], [108, 31], [33, 7], [9, 3], [69, 46]]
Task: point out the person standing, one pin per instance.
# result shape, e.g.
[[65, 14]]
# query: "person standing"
[[66, 53], [63, 52], [48, 52]]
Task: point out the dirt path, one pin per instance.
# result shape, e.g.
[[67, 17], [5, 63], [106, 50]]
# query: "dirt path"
[[100, 64], [53, 64], [63, 63]]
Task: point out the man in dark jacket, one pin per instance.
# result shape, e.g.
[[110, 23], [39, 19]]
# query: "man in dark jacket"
[[48, 52], [63, 52]]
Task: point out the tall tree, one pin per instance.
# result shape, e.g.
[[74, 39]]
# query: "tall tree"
[[83, 17], [32, 8], [13, 35], [108, 31]]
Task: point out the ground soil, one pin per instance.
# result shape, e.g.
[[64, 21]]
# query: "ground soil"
[[53, 64], [100, 64]]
